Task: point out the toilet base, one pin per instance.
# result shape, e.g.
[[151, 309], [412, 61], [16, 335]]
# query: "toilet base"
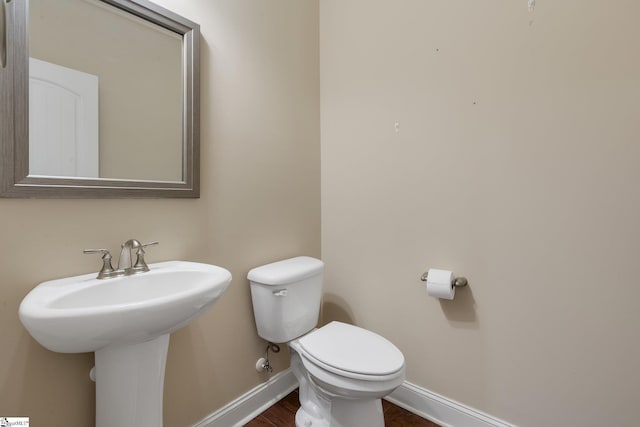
[[357, 413], [345, 413], [303, 419], [319, 408]]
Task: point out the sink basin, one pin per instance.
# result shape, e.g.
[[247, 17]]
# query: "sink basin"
[[83, 314], [126, 321]]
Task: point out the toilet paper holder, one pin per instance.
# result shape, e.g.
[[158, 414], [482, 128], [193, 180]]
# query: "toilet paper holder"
[[458, 282]]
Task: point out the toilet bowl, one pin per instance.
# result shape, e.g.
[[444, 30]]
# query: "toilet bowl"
[[348, 369], [343, 370]]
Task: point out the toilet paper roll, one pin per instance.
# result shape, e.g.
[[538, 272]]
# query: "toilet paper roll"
[[439, 284]]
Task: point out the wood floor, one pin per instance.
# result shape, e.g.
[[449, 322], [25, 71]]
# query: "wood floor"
[[283, 414]]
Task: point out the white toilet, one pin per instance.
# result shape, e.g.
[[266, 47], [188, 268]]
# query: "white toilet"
[[343, 370]]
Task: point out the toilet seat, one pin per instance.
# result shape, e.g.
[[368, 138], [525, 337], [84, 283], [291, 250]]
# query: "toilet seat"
[[352, 352]]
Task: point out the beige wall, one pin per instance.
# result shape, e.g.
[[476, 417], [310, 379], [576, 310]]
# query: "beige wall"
[[516, 165], [260, 202]]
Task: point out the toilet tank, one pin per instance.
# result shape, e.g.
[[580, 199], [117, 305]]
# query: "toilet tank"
[[286, 297]]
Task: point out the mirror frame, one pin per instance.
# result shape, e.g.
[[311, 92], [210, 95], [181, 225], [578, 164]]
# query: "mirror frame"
[[14, 115]]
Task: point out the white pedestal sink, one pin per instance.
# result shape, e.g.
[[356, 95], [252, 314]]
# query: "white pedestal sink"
[[126, 321]]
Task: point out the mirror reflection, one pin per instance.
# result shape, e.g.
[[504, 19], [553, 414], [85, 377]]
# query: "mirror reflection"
[[105, 94]]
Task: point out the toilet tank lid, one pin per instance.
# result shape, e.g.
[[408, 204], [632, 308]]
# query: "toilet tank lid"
[[286, 271]]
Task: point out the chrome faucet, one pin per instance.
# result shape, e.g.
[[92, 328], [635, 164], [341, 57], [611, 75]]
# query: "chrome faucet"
[[125, 267]]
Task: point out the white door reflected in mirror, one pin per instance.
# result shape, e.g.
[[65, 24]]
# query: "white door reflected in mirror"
[[63, 121]]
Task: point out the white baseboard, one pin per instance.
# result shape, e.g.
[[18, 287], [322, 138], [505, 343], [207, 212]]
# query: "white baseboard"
[[439, 409], [253, 403], [418, 400]]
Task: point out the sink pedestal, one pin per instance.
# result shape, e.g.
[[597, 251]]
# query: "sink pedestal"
[[130, 383]]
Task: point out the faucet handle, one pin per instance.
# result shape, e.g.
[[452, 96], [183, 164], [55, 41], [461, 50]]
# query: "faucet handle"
[[104, 252], [107, 271], [140, 264]]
